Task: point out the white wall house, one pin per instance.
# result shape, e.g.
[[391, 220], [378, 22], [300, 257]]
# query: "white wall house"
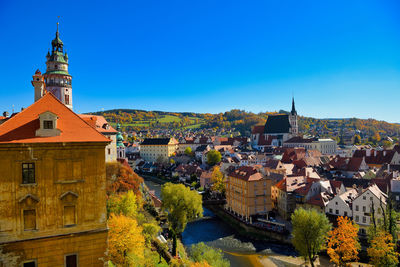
[[340, 205], [362, 206], [325, 146]]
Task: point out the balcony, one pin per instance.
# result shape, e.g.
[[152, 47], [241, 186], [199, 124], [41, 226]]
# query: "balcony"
[[50, 84]]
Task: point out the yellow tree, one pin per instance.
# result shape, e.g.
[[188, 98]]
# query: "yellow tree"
[[343, 243], [382, 251], [125, 241], [217, 178]]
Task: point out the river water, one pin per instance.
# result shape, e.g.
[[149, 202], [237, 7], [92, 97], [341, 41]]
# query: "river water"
[[214, 232]]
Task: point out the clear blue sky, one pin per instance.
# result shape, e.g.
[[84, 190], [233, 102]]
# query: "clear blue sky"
[[338, 58]]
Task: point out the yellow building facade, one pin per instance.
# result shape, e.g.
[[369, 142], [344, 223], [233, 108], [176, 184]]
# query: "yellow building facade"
[[52, 189], [248, 192], [156, 149]]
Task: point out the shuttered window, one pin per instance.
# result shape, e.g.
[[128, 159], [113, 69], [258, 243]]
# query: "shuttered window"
[[29, 219], [69, 215]]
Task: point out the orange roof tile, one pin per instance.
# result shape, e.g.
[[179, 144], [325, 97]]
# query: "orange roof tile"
[[98, 122], [22, 127]]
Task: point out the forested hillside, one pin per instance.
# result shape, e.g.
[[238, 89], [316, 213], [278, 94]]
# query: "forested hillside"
[[242, 121]]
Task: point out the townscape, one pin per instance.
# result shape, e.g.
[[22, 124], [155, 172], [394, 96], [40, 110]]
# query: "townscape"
[[74, 191]]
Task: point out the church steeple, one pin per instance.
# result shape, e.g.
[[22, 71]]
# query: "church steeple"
[[294, 128], [293, 112]]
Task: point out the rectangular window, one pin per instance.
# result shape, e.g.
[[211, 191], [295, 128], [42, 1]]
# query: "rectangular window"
[[345, 213], [29, 219], [66, 99], [71, 260], [357, 218], [109, 151], [330, 210], [69, 216], [364, 209], [48, 125], [364, 219], [337, 211], [28, 173], [29, 264], [356, 207]]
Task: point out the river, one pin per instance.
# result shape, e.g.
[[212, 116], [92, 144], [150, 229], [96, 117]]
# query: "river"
[[214, 232]]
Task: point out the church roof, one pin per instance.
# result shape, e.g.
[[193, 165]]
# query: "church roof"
[[277, 124], [22, 127], [156, 141]]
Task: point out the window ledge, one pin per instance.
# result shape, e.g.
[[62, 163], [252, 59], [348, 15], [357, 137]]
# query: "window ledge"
[[69, 181], [26, 185], [69, 225]]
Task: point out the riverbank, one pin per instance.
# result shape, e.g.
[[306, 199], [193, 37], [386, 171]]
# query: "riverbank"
[[239, 250], [247, 230]]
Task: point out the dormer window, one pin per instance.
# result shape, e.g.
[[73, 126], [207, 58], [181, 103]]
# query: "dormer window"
[[48, 125]]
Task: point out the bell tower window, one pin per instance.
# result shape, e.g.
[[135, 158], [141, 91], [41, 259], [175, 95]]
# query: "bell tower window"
[[66, 99]]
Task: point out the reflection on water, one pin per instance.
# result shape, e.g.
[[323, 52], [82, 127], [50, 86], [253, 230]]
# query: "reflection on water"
[[239, 250], [214, 232]]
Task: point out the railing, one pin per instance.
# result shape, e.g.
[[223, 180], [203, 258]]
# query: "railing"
[[58, 84]]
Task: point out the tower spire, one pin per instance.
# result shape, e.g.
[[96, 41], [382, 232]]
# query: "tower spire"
[[293, 107]]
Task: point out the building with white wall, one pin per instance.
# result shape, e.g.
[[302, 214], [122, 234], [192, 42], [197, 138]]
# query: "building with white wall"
[[325, 146]]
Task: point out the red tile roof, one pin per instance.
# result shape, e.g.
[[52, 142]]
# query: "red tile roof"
[[258, 129], [98, 122], [22, 127], [246, 173]]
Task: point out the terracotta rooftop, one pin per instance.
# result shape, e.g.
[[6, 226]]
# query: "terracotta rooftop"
[[246, 173], [22, 127], [98, 122]]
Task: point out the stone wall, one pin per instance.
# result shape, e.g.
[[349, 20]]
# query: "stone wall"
[[90, 248]]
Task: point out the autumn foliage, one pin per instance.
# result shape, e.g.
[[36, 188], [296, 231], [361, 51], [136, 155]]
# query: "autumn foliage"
[[382, 251], [343, 243], [121, 178], [126, 243]]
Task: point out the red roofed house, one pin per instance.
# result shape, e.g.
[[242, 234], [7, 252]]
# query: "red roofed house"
[[248, 192], [52, 188], [102, 126]]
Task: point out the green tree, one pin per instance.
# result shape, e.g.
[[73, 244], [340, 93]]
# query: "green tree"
[[357, 139], [124, 204], [188, 151], [182, 205], [213, 157], [214, 257], [310, 229]]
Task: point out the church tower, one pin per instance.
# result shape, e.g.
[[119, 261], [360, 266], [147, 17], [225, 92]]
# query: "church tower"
[[57, 79], [294, 128], [120, 144]]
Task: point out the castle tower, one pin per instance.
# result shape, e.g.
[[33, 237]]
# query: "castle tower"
[[294, 128], [38, 84], [57, 79]]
